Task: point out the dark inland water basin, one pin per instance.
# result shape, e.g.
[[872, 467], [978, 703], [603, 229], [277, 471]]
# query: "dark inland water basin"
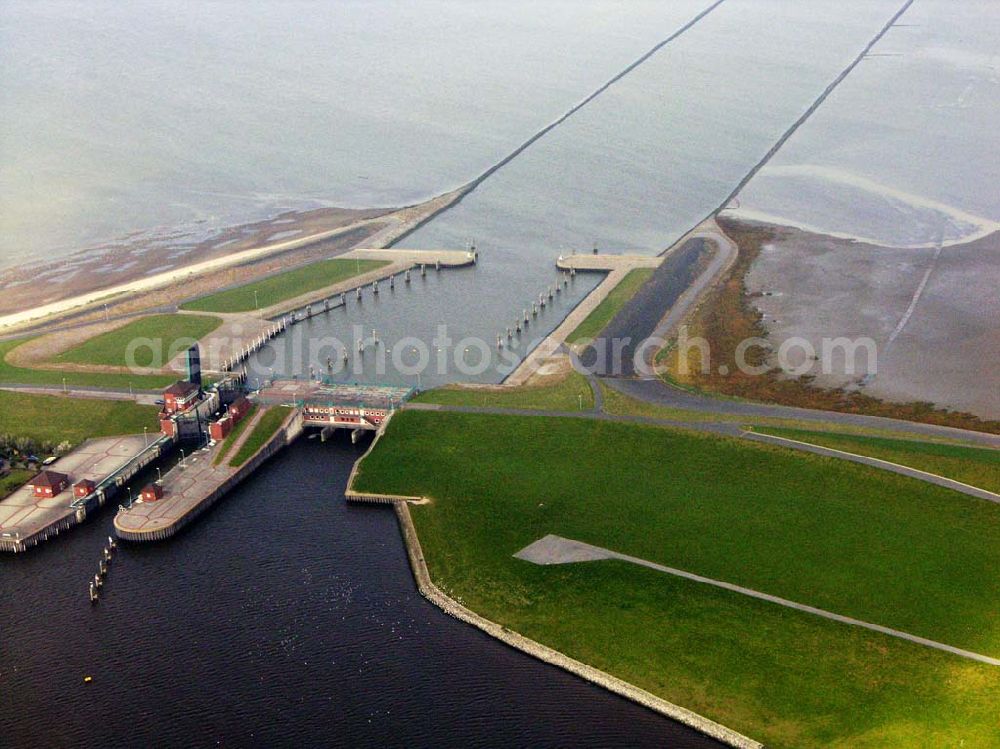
[[282, 616]]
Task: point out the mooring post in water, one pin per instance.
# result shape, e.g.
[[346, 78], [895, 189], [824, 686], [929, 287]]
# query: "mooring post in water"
[[406, 277], [359, 293], [423, 270]]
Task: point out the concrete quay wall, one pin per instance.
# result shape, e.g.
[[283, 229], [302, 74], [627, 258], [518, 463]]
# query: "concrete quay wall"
[[288, 432], [451, 607]]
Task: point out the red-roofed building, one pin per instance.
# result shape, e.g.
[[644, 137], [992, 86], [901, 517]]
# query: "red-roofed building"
[[152, 492], [179, 397], [49, 483], [83, 488]]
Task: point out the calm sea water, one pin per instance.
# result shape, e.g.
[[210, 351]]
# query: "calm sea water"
[[283, 617], [158, 117], [633, 170], [906, 150]]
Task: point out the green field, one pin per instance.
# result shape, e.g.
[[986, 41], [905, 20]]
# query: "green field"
[[604, 312], [832, 534], [14, 480], [234, 435], [283, 286], [54, 418], [262, 432], [32, 376], [167, 336], [565, 395], [970, 465]]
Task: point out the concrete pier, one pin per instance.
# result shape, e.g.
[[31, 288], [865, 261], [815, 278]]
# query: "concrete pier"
[[26, 520], [197, 483]]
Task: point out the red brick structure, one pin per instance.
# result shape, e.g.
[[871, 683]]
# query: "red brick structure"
[[179, 397], [219, 430], [239, 408], [49, 483], [83, 488], [152, 492], [168, 426]]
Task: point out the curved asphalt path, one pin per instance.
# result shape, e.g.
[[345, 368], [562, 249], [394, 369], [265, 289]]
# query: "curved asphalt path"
[[578, 551]]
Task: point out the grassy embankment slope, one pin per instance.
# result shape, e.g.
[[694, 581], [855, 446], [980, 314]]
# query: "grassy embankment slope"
[[262, 432], [55, 418], [832, 534], [604, 312], [728, 317], [234, 435], [169, 335], [564, 395], [283, 286], [970, 465], [48, 377]]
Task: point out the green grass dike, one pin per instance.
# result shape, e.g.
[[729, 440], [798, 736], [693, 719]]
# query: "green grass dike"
[[850, 539], [168, 334], [283, 286], [970, 465], [604, 312], [269, 423], [55, 418], [571, 393], [12, 374]]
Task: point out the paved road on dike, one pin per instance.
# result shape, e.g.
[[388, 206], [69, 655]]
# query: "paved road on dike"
[[657, 392], [554, 547]]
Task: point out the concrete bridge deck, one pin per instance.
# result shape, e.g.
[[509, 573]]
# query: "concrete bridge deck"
[[607, 263]]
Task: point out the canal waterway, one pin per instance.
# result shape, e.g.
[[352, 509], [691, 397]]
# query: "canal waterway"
[[284, 616], [633, 170]]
